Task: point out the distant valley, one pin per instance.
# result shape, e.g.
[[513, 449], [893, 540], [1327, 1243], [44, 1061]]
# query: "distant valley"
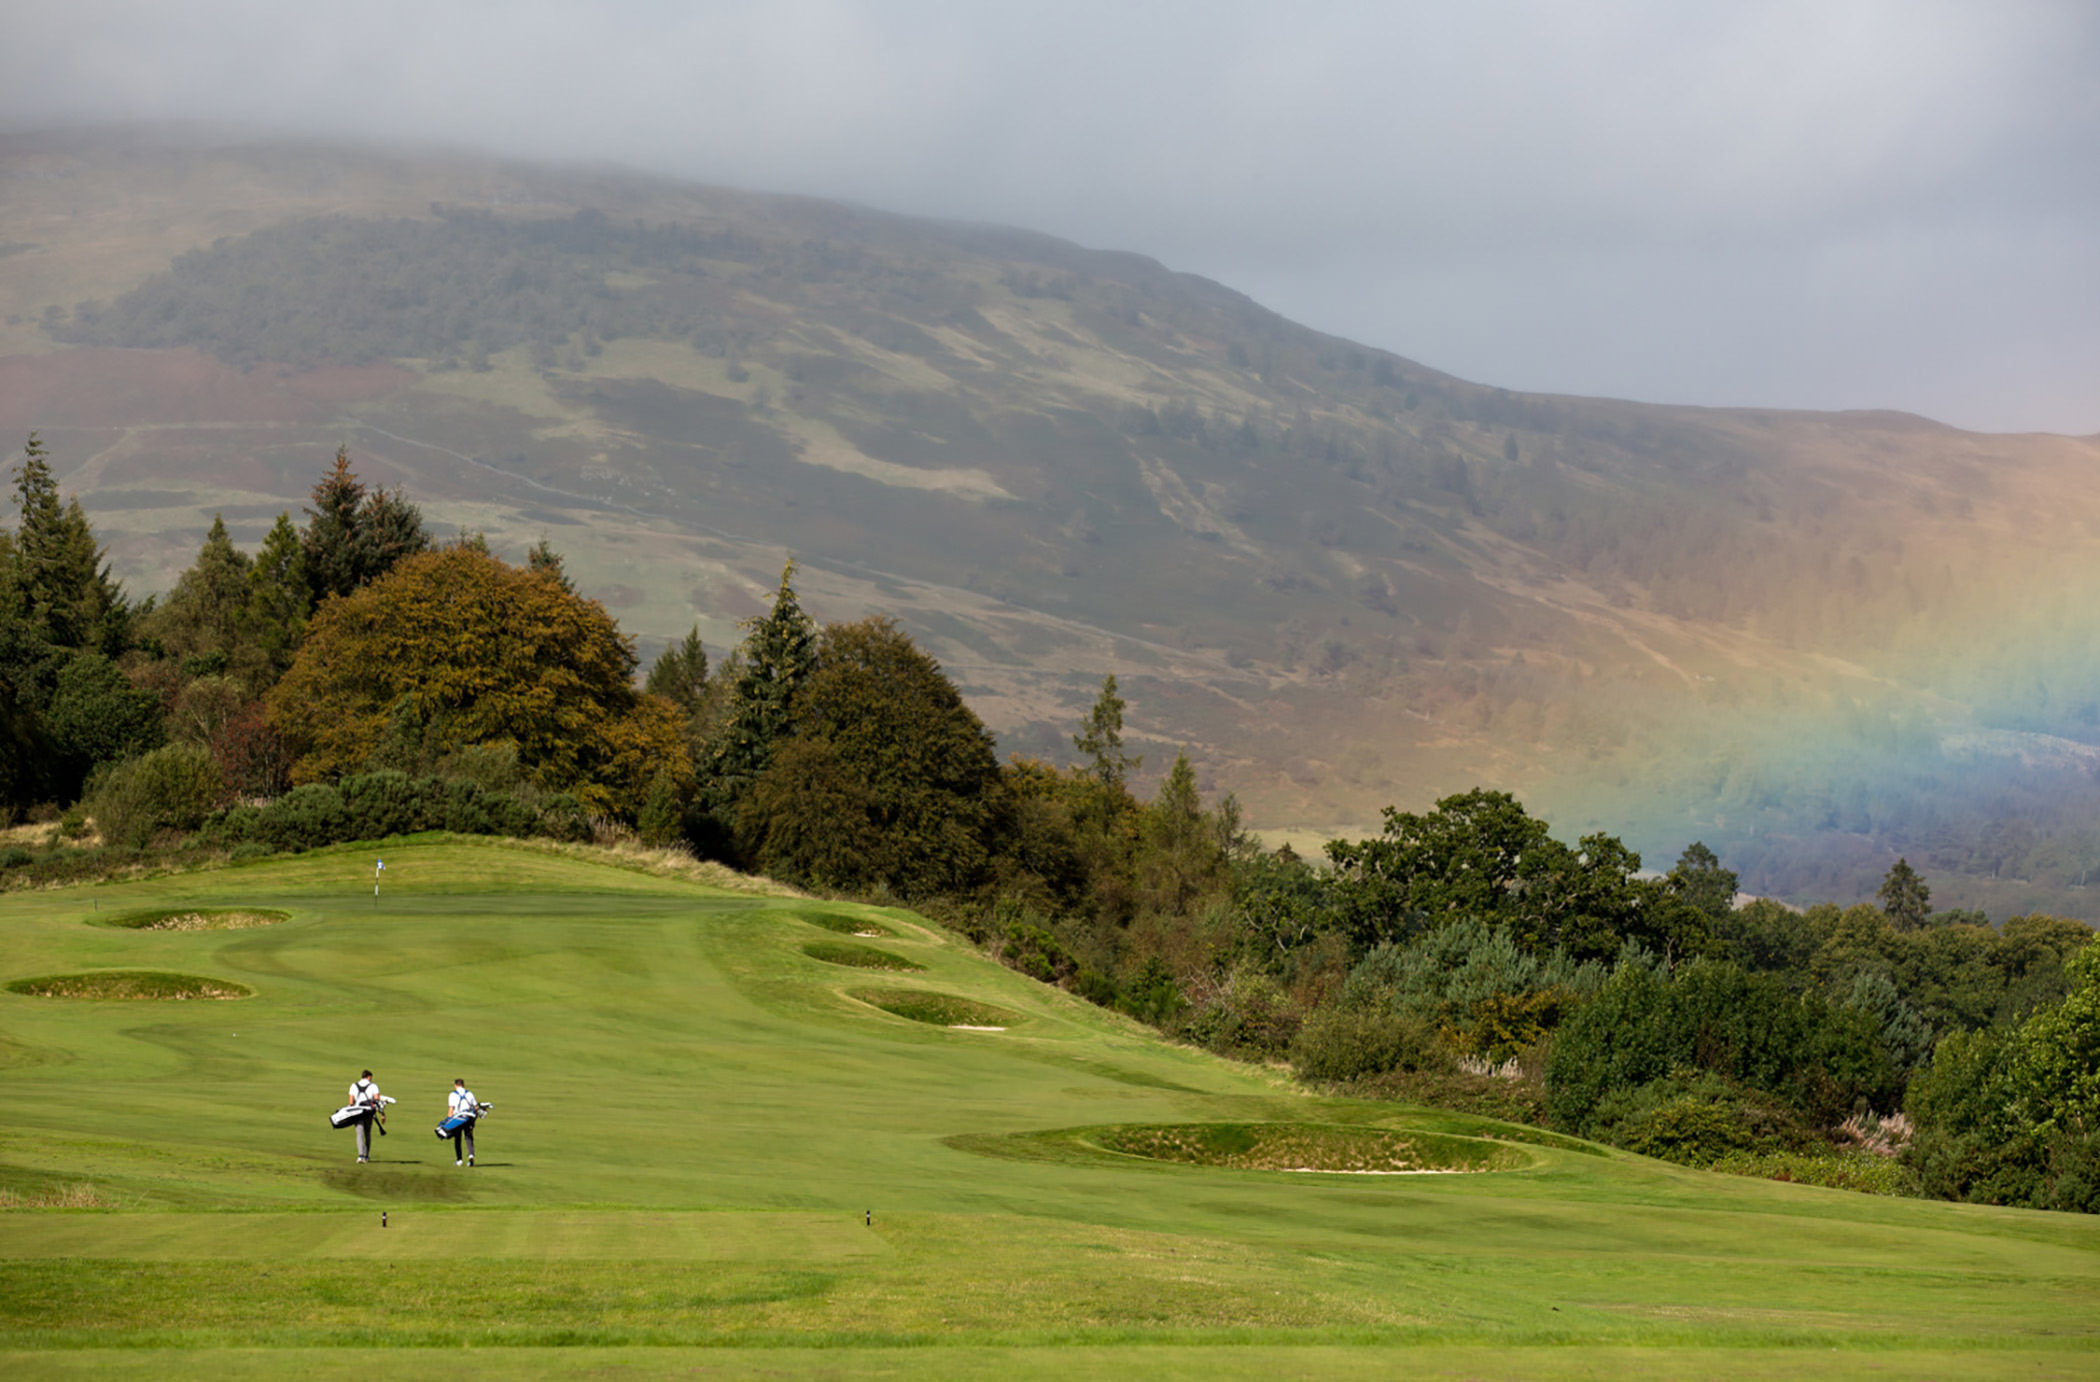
[[1341, 578]]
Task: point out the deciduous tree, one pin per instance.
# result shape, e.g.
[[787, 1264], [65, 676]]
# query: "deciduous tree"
[[477, 652]]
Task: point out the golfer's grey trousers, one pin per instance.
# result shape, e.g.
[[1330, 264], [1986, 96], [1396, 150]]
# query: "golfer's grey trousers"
[[364, 1138]]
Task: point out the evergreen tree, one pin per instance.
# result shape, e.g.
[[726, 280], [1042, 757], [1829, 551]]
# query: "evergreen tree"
[[888, 781], [680, 674], [545, 560], [64, 583], [1100, 738], [278, 597], [354, 536], [1905, 897], [203, 615], [778, 655]]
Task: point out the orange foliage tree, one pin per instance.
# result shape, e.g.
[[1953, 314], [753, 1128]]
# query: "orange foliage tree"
[[472, 651]]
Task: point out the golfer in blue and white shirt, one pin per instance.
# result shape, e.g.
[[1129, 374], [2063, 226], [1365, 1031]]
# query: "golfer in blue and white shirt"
[[462, 1104]]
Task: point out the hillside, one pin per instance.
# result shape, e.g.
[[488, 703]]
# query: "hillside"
[[1342, 578], [709, 1135]]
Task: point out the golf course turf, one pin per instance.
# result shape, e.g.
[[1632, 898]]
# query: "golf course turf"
[[706, 1152]]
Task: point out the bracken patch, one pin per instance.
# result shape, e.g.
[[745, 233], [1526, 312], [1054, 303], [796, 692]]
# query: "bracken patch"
[[130, 984]]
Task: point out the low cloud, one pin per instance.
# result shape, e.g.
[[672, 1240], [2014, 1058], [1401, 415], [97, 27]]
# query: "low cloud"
[[1826, 205]]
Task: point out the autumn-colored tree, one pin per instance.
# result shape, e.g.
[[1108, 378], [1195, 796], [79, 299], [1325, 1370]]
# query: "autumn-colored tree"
[[472, 651]]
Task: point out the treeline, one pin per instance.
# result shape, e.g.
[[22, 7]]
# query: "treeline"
[[354, 679], [351, 678]]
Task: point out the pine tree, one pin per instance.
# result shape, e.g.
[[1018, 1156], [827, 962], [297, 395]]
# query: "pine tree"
[[1905, 897], [545, 560], [278, 597], [779, 653], [680, 674], [1100, 738], [354, 536], [63, 581]]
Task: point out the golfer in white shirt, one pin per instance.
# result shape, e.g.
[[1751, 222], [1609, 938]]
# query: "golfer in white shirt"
[[462, 1103], [364, 1092]]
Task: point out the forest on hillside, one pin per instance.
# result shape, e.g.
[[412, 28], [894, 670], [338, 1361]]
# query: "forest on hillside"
[[355, 678]]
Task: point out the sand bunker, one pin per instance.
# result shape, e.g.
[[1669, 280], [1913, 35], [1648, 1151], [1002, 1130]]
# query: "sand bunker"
[[197, 919], [1303, 1148]]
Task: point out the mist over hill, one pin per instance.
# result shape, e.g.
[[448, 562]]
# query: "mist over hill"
[[1342, 578]]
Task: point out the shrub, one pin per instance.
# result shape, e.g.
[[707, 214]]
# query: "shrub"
[[374, 805], [1340, 1043], [1861, 1171], [1695, 1118], [14, 857], [172, 787], [1248, 1013], [1711, 1016], [1038, 954]]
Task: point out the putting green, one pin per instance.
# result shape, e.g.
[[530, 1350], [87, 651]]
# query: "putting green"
[[705, 1151]]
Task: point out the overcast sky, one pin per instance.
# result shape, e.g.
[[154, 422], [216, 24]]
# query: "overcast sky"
[[1819, 204]]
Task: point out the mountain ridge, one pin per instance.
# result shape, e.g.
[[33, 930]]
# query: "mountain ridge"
[[1343, 578]]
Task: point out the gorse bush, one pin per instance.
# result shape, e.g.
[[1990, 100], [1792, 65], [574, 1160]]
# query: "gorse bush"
[[172, 788], [371, 806], [1338, 1044]]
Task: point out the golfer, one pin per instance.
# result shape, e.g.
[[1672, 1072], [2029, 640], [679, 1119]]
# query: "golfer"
[[365, 1094], [462, 1104]]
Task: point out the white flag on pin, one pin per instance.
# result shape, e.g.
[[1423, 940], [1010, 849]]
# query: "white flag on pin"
[[381, 868]]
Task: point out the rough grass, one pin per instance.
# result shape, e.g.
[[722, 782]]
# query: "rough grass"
[[936, 1009], [1307, 1147], [196, 919], [858, 956], [130, 984], [75, 1195]]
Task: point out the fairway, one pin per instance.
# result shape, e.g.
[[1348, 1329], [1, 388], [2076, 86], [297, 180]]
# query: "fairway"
[[707, 1152]]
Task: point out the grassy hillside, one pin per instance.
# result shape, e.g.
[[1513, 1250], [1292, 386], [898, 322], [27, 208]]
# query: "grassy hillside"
[[1343, 578], [701, 1138]]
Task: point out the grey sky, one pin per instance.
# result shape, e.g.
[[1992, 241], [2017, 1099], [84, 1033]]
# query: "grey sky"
[[1816, 204]]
